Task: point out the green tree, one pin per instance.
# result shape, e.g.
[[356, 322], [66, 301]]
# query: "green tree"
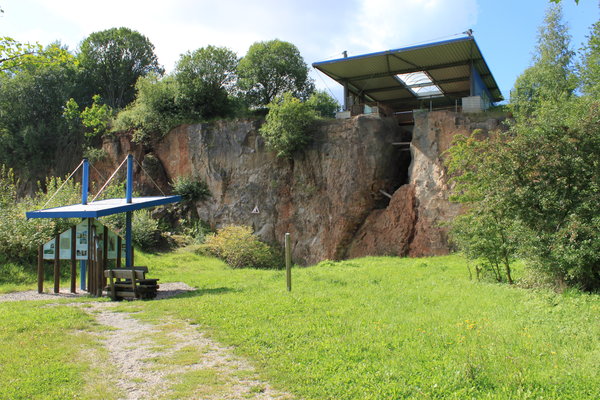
[[486, 232], [14, 54], [93, 121], [550, 78], [325, 105], [206, 78], [155, 110], [589, 66], [113, 60], [543, 180], [34, 138], [272, 68], [288, 125]]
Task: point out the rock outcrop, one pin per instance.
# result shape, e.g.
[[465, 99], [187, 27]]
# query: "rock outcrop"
[[330, 197]]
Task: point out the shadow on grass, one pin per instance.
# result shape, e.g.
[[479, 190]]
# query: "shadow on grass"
[[182, 293]]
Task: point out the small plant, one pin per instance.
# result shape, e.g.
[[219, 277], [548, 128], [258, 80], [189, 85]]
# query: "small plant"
[[94, 155], [239, 248], [196, 231], [191, 190]]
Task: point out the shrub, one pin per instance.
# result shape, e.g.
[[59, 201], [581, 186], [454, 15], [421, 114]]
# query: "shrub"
[[191, 190], [154, 112], [288, 125], [325, 105], [239, 248], [195, 231], [20, 237], [145, 230]]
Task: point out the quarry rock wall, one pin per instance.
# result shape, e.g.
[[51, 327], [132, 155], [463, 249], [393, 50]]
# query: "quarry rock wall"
[[330, 197]]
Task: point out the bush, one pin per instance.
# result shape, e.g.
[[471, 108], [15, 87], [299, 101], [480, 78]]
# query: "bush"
[[239, 248], [195, 231], [191, 190], [325, 105], [154, 112], [144, 229], [288, 125], [19, 237]]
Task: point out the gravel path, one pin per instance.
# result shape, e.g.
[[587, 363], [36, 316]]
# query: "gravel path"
[[153, 359], [166, 290], [168, 360]]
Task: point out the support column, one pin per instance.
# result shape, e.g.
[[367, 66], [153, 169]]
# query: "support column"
[[73, 260], [128, 243], [40, 268], [128, 195], [85, 181], [57, 264]]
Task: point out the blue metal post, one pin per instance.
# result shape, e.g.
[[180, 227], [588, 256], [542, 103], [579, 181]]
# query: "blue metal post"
[[129, 187], [128, 195], [85, 181], [85, 178]]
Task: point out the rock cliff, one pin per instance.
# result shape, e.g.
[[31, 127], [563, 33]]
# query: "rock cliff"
[[332, 197]]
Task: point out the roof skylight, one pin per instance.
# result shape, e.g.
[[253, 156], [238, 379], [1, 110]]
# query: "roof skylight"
[[420, 84]]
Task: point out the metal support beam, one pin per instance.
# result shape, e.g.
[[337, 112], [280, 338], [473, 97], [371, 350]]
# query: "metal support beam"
[[85, 181]]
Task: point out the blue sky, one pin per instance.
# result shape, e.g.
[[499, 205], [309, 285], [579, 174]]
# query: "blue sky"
[[505, 30]]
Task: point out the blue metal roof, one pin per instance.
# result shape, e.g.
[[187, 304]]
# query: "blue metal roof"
[[102, 208], [449, 64]]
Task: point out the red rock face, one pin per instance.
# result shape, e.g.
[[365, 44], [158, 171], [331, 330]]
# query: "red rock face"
[[388, 231], [328, 197]]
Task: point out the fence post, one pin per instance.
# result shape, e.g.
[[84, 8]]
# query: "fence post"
[[57, 264], [73, 259], [40, 268], [288, 262]]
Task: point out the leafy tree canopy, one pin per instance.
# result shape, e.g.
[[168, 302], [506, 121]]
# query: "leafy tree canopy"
[[206, 77], [550, 78], [272, 68], [325, 105], [288, 125], [113, 60], [33, 134], [589, 65]]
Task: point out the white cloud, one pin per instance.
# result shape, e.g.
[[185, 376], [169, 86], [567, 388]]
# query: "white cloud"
[[320, 29], [390, 24]]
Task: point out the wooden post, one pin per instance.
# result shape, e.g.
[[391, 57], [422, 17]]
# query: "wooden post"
[[99, 269], [40, 268], [104, 256], [92, 262], [119, 244], [89, 255], [288, 262], [73, 260], [57, 264]]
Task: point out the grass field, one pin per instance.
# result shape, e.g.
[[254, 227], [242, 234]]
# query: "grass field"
[[372, 328]]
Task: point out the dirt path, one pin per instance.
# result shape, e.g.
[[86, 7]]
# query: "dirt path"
[[174, 360], [171, 360]]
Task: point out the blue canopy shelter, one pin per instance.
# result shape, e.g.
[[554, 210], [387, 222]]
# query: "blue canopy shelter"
[[103, 208]]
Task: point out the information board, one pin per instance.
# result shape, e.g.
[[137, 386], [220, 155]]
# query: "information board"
[[81, 243]]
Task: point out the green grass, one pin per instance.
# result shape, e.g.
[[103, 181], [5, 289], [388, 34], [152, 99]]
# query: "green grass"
[[371, 328], [41, 355], [378, 328]]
